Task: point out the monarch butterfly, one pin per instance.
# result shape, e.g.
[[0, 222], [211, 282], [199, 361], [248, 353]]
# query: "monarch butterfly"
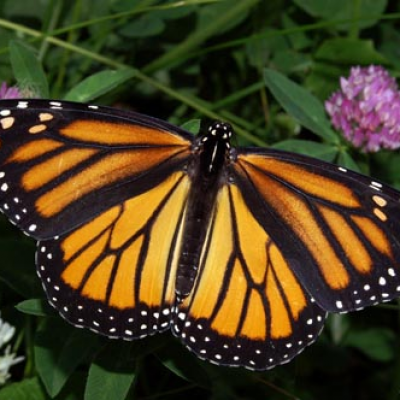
[[142, 227]]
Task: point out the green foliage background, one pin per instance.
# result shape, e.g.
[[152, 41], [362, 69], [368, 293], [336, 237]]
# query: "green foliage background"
[[266, 67]]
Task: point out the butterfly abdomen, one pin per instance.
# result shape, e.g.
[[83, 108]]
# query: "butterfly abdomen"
[[207, 170]]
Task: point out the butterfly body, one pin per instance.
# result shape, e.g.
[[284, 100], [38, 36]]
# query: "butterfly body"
[[207, 172], [143, 227]]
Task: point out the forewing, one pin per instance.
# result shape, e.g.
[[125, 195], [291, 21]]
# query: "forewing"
[[339, 230], [116, 274], [58, 159], [247, 307]]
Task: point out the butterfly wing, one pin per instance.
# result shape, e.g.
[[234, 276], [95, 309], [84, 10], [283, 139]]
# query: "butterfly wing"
[[116, 273], [338, 230], [104, 192], [247, 307], [58, 159]]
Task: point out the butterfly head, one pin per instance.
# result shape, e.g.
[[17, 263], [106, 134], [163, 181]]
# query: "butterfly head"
[[218, 134], [220, 131]]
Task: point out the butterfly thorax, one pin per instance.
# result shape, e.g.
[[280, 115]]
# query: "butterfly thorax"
[[206, 172]]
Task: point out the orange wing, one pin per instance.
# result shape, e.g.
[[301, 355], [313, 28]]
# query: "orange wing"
[[102, 189], [58, 159], [116, 273], [338, 230], [247, 307]]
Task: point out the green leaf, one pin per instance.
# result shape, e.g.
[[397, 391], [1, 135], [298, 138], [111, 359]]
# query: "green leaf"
[[98, 84], [144, 26], [386, 166], [300, 104], [349, 51], [338, 325], [175, 11], [37, 307], [334, 58], [388, 44], [28, 70], [14, 9], [324, 78], [345, 160], [183, 364], [259, 52], [299, 40], [322, 151], [111, 374], [212, 26], [192, 126], [75, 387], [27, 389], [17, 267], [334, 10], [59, 349], [291, 61], [376, 343], [212, 12]]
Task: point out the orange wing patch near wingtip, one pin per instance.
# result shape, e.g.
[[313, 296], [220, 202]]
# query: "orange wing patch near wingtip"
[[374, 235], [33, 150], [44, 117], [37, 128], [380, 214], [379, 200], [7, 122], [119, 134], [350, 243]]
